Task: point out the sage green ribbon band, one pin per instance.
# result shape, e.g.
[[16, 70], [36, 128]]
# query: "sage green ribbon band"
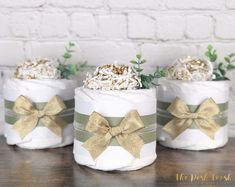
[[39, 105], [164, 105], [66, 112], [83, 136], [12, 119], [163, 117], [153, 127], [114, 121], [222, 121], [40, 124]]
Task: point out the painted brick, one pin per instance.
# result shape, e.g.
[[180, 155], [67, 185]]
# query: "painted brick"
[[199, 27], [112, 26], [83, 24], [25, 24], [134, 4], [54, 25], [225, 26], [195, 4], [141, 26], [170, 27]]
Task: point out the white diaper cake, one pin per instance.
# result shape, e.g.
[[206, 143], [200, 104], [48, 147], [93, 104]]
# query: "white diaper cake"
[[115, 122], [191, 108], [39, 106]]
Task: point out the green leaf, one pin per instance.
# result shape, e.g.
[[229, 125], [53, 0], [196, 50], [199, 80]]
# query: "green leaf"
[[231, 55], [67, 55], [211, 54], [160, 72], [73, 69], [213, 58], [227, 59], [138, 69], [221, 69], [68, 70], [143, 61], [138, 56], [146, 81], [71, 44], [209, 47], [133, 62], [230, 67]]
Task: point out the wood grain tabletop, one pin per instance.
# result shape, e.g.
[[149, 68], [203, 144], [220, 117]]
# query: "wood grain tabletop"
[[173, 168]]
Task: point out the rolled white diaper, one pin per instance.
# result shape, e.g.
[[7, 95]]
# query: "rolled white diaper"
[[193, 94], [114, 105], [39, 92]]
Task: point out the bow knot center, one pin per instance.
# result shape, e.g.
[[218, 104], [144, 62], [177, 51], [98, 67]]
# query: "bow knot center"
[[114, 131], [194, 115], [40, 114]]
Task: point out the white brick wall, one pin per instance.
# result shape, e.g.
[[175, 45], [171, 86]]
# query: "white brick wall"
[[108, 30], [112, 26], [141, 26], [83, 24]]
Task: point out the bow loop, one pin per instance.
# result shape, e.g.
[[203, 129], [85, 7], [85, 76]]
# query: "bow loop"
[[183, 118], [30, 116], [178, 108], [132, 122], [54, 106], [208, 108], [23, 106], [125, 133], [97, 124]]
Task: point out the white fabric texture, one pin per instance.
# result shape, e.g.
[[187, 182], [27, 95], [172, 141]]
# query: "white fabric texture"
[[39, 91], [194, 93], [115, 104]]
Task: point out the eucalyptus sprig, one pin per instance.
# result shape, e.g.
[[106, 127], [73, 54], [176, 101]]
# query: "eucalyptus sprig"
[[220, 69], [69, 70], [137, 64], [147, 80]]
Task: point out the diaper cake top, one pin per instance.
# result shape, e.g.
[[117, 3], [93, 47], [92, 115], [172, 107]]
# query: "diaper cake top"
[[40, 68], [112, 77], [45, 68], [190, 69], [210, 68]]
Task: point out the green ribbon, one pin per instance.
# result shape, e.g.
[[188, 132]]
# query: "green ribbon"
[[163, 117], [78, 126], [148, 134], [193, 108], [83, 136], [113, 121], [164, 120], [39, 105], [11, 117]]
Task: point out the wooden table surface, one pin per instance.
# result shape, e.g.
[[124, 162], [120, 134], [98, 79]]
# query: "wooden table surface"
[[57, 168]]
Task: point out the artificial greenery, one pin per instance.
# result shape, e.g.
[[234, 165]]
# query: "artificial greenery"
[[220, 69], [137, 64], [69, 70], [147, 80]]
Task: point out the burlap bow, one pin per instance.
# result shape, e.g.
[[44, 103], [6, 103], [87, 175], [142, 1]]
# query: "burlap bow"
[[183, 118], [125, 133], [30, 116]]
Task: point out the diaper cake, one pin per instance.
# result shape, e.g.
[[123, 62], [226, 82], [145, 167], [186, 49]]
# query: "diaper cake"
[[115, 120], [39, 105], [193, 103]]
